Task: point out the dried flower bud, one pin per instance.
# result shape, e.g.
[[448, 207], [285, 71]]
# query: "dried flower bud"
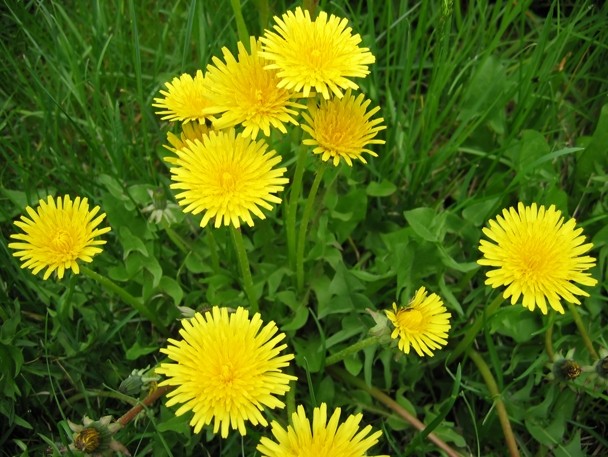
[[95, 438]]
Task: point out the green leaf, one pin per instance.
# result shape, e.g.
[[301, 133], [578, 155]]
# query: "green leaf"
[[383, 188], [137, 350], [420, 220], [131, 242], [595, 155], [172, 288], [298, 321]]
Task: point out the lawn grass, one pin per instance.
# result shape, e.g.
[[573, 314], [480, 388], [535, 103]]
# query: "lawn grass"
[[486, 104]]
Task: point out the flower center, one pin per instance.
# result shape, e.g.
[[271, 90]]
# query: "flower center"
[[409, 319], [227, 375], [62, 242], [535, 259], [315, 57], [227, 182]]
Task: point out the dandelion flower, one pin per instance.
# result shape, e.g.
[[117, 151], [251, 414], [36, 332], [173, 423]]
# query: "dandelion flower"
[[537, 256], [227, 369], [316, 55], [57, 234], [247, 94], [423, 324], [185, 100], [322, 439], [227, 177], [341, 128]]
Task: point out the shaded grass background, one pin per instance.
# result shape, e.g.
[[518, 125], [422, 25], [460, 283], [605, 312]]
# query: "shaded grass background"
[[486, 104]]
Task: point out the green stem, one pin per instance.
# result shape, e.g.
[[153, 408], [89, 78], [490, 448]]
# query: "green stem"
[[393, 405], [583, 331], [501, 410], [292, 207], [549, 339], [215, 259], [241, 253], [350, 350], [241, 27], [301, 244], [135, 303], [474, 329], [179, 242]]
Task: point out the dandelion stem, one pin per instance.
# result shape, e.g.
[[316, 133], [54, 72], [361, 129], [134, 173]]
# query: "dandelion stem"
[[474, 329], [134, 302], [501, 410], [292, 207], [241, 253], [393, 405], [149, 400], [310, 201], [215, 259], [350, 350], [583, 331], [549, 339], [178, 241]]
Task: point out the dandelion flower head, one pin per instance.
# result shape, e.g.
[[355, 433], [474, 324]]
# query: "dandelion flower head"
[[226, 369], [227, 177], [423, 324], [319, 55], [341, 128], [247, 94], [185, 99], [537, 256], [322, 439], [58, 234]]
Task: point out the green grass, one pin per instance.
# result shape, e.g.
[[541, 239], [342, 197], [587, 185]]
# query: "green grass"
[[486, 104]]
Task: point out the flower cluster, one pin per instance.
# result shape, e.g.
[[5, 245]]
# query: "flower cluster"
[[264, 87]]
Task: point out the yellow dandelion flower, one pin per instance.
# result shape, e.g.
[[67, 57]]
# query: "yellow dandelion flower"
[[247, 94], [227, 369], [322, 439], [227, 177], [185, 100], [57, 234], [423, 324], [341, 128], [316, 55], [537, 256]]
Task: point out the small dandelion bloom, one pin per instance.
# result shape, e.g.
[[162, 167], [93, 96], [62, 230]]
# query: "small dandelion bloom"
[[58, 234], [316, 55], [247, 94], [341, 128], [227, 369], [185, 100], [227, 177], [423, 324], [322, 439], [537, 256]]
